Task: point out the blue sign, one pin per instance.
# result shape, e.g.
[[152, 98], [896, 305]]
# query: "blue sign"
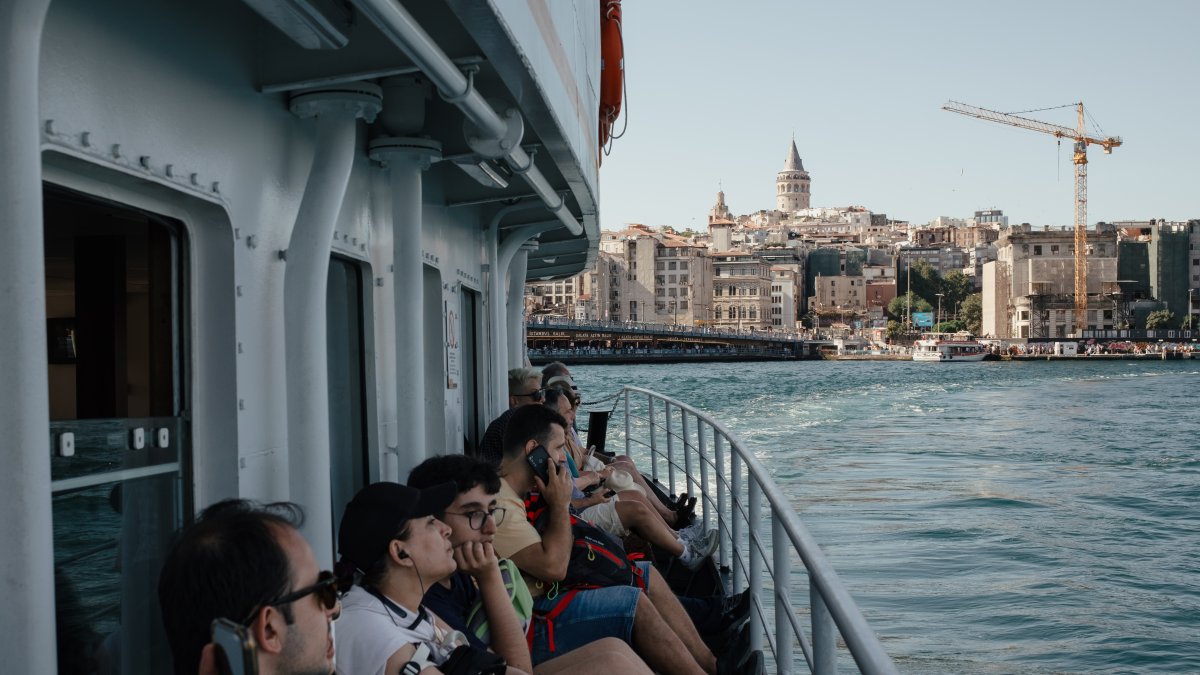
[[923, 319]]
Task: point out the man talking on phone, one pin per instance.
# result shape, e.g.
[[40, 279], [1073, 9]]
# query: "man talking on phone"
[[241, 593]]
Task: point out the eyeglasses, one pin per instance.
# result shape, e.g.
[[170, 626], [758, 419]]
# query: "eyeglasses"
[[325, 588], [475, 518], [536, 394]]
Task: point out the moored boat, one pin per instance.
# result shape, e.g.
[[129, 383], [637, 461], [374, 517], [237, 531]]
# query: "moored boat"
[[949, 347]]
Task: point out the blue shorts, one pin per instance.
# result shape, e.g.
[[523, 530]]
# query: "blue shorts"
[[592, 614]]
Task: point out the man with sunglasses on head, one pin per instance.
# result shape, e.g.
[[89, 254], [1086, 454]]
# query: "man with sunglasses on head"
[[524, 388], [479, 587], [248, 565]]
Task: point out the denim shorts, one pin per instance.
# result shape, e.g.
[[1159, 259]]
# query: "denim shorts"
[[592, 614]]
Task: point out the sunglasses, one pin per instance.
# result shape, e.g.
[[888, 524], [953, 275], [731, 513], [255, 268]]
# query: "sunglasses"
[[537, 394], [325, 589]]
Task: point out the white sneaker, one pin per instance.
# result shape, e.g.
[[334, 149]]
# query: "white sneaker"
[[698, 549], [692, 531]]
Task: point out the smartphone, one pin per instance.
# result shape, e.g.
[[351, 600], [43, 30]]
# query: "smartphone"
[[538, 460], [235, 648], [593, 487]]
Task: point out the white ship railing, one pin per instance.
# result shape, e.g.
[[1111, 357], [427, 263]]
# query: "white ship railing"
[[690, 452]]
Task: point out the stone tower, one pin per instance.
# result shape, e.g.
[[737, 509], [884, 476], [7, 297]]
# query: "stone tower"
[[719, 211], [792, 184]]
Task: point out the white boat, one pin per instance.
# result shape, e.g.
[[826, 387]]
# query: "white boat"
[[948, 347]]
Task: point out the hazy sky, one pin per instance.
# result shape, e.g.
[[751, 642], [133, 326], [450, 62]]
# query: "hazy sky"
[[717, 89]]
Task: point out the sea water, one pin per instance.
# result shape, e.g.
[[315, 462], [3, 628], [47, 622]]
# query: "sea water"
[[994, 517]]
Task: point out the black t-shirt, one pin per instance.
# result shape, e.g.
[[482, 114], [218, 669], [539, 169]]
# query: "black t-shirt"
[[453, 604]]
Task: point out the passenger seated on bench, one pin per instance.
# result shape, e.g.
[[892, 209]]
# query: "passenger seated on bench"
[[477, 592], [556, 375], [652, 621], [393, 547], [629, 511], [524, 388]]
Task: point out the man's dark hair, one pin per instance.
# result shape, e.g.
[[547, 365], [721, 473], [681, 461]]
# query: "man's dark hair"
[[553, 370], [225, 565], [531, 421], [465, 472]]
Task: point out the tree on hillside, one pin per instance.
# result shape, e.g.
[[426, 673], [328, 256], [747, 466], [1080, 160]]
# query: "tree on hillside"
[[926, 282], [956, 287], [950, 326], [972, 313], [898, 307], [1160, 318]]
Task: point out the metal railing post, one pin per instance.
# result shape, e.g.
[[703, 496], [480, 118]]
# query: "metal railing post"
[[701, 456], [670, 446], [824, 634], [756, 560], [782, 577], [724, 517], [736, 504], [653, 438], [628, 438]]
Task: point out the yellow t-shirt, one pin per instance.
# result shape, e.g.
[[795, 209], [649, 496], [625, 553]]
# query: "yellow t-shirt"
[[516, 533]]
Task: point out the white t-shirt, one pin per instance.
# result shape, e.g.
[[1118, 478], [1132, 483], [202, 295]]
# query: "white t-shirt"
[[371, 629]]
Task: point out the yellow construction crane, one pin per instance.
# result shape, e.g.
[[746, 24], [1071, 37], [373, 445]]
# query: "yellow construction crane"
[[1082, 140]]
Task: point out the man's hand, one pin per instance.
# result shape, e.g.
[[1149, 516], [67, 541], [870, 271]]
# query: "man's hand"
[[476, 558], [557, 491], [597, 497]]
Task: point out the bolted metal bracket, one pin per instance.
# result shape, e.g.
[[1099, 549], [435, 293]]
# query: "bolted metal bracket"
[[496, 148], [424, 151]]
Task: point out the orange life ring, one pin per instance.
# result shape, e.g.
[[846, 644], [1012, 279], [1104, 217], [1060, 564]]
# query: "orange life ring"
[[612, 67]]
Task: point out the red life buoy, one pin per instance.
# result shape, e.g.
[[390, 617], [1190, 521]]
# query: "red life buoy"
[[612, 67]]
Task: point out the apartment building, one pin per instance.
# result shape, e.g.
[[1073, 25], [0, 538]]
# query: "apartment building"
[[741, 291]]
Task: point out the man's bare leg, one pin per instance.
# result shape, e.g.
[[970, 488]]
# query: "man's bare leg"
[[607, 656], [637, 517], [659, 644], [677, 618]]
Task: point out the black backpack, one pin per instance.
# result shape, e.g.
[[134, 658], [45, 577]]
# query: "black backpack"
[[597, 559]]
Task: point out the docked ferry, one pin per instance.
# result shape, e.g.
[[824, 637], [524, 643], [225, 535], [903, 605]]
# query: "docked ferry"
[[948, 347], [276, 249]]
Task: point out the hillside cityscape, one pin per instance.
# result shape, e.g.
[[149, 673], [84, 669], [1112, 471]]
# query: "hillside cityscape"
[[796, 268]]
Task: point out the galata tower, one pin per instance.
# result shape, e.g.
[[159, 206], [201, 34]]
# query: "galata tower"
[[792, 184]]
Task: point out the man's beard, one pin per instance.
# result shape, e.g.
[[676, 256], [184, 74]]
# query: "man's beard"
[[295, 661]]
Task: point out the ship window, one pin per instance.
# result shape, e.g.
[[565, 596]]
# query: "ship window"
[[115, 302], [346, 346]]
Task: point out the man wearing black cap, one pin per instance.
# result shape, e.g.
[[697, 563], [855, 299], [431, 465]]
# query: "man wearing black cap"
[[395, 548]]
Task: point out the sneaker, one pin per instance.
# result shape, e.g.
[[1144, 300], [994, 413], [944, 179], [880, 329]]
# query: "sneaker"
[[736, 610], [698, 549], [735, 653], [691, 531]]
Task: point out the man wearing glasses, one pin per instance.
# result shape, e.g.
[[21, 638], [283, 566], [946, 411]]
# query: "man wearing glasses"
[[247, 563], [479, 583], [524, 388]]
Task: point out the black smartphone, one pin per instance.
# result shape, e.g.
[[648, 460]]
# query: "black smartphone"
[[235, 648], [538, 459], [593, 487]]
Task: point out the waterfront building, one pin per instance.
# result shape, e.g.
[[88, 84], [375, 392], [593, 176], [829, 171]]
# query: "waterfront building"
[[741, 291], [653, 276], [784, 302], [1029, 290]]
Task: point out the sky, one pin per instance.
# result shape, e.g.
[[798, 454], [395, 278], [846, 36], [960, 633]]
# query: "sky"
[[716, 91]]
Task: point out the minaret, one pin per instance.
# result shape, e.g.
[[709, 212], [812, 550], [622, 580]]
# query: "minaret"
[[792, 184]]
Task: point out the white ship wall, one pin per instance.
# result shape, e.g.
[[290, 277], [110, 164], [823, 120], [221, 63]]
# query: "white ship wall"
[[155, 105]]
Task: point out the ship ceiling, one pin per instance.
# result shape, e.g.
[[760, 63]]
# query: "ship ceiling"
[[469, 33]]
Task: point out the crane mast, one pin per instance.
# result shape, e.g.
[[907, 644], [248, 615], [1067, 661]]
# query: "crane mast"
[[1079, 159]]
